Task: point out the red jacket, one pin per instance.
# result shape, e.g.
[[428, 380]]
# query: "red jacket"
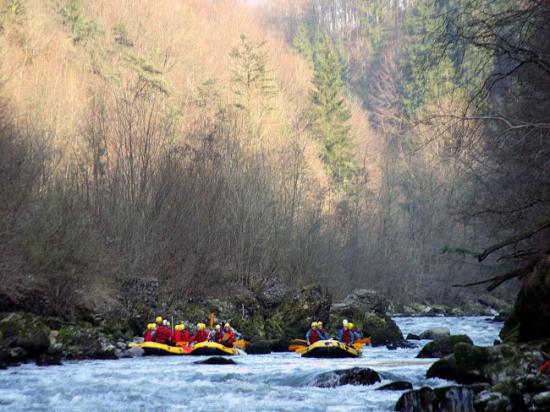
[[200, 336], [163, 334], [228, 338], [312, 336], [347, 337], [181, 336], [218, 337], [148, 336]]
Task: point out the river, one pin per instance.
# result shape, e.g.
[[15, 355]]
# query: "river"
[[275, 382]]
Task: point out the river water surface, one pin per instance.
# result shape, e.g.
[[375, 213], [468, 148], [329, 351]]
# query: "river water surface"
[[275, 382]]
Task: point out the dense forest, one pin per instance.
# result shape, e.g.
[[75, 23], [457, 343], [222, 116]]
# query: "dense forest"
[[400, 146]]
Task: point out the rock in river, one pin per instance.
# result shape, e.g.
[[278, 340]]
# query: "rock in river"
[[445, 399], [216, 360], [396, 386], [435, 333], [442, 347], [354, 376]]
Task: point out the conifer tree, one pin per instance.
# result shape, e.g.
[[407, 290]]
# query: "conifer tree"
[[330, 114]]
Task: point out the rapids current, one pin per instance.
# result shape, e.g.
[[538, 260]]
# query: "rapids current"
[[275, 382]]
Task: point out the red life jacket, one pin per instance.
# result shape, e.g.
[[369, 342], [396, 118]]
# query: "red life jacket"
[[200, 336], [181, 336], [228, 338], [218, 337], [346, 337], [163, 334], [148, 336], [313, 336]]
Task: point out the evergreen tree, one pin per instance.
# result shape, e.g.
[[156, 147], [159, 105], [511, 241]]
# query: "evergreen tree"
[[251, 78], [330, 114], [302, 43]]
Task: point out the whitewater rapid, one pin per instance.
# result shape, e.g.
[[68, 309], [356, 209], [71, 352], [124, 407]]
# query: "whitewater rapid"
[[275, 382]]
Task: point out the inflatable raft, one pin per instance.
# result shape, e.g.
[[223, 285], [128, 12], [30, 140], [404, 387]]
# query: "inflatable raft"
[[330, 349], [154, 348], [212, 348], [203, 348]]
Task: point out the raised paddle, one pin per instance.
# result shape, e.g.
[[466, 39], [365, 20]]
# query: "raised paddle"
[[242, 343]]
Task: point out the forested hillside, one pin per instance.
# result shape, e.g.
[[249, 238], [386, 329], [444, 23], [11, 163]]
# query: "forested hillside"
[[212, 146]]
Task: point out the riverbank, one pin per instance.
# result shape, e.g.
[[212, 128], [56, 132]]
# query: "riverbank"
[[269, 318]]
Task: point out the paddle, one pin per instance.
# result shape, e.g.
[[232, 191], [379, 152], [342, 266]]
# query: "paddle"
[[242, 343]]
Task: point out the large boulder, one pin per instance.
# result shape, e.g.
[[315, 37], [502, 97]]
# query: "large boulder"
[[296, 312], [442, 347], [445, 399], [530, 318], [469, 364], [435, 333], [25, 331], [381, 329], [367, 301], [353, 376], [85, 342]]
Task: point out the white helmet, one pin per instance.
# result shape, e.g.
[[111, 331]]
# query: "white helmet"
[[165, 322], [345, 322]]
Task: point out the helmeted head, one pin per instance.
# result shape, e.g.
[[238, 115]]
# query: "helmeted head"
[[200, 326], [345, 323], [313, 325], [158, 320], [350, 325], [168, 323], [319, 324], [227, 326], [165, 322], [218, 327], [151, 326], [178, 327], [183, 326]]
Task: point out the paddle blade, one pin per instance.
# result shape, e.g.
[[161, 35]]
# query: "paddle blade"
[[211, 320], [242, 344]]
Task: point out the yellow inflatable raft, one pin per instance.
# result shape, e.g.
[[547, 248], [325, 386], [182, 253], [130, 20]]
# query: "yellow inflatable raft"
[[330, 349], [212, 348], [154, 348]]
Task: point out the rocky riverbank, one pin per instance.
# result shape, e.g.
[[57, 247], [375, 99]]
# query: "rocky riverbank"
[[506, 377]]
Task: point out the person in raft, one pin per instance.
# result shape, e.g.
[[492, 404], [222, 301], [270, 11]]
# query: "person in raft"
[[312, 335], [149, 335], [323, 335], [201, 335], [356, 334], [181, 334], [163, 333], [216, 335], [228, 338], [346, 334]]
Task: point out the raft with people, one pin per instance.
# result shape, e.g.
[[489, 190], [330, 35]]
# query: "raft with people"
[[161, 340], [318, 344]]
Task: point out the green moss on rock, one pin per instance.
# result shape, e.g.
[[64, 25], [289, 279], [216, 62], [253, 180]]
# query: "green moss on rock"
[[26, 331]]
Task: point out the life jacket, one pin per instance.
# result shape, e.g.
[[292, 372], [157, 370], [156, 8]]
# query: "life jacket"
[[181, 336], [148, 336], [346, 336], [163, 334], [322, 334], [314, 336], [545, 368], [200, 336], [228, 338], [218, 337]]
